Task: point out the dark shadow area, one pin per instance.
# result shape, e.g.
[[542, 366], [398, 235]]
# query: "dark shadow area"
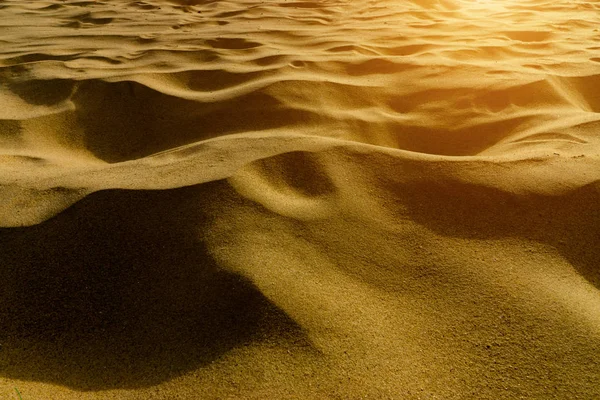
[[9, 130], [127, 120], [39, 57], [569, 222], [299, 171], [43, 92], [118, 291], [88, 17], [143, 5]]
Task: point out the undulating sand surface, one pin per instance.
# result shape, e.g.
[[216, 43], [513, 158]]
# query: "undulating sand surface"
[[322, 199]]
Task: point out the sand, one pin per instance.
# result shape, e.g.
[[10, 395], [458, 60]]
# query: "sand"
[[321, 199]]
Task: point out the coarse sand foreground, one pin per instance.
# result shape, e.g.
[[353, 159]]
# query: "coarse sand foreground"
[[320, 199]]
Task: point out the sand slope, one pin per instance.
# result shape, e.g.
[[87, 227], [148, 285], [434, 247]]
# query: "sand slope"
[[299, 199]]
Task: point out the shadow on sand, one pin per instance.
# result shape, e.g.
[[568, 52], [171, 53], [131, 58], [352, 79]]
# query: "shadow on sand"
[[119, 292]]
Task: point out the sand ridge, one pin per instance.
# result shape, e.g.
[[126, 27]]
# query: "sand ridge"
[[299, 199]]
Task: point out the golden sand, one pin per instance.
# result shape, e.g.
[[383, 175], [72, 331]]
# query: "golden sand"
[[321, 199]]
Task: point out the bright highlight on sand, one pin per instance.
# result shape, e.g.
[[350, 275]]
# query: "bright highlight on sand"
[[242, 199]]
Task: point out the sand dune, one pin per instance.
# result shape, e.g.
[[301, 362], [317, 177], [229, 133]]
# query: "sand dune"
[[299, 199]]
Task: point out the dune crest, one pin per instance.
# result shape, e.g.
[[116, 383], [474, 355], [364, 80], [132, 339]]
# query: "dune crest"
[[299, 199]]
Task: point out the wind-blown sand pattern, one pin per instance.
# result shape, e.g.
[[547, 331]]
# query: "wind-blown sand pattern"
[[244, 199]]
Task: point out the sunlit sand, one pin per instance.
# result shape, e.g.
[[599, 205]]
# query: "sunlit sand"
[[243, 199]]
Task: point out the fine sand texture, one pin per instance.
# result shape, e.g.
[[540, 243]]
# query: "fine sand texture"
[[281, 199]]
